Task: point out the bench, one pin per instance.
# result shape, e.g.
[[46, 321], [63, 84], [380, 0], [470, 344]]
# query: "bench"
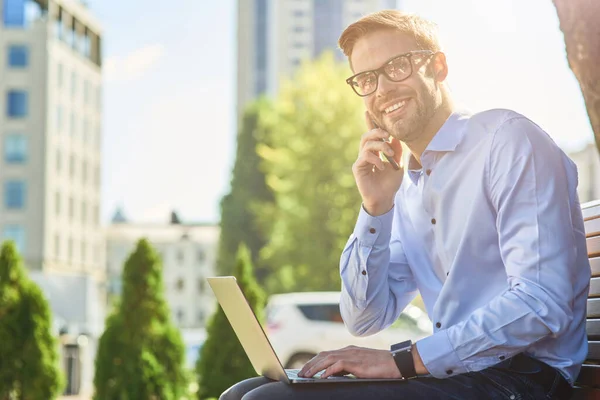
[[588, 382]]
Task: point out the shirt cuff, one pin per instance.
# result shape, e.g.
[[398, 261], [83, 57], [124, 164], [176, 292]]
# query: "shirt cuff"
[[370, 230], [439, 356]]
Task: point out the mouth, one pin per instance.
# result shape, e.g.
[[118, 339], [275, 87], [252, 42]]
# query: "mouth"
[[395, 108]]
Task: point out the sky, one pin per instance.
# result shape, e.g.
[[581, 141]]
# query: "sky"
[[169, 91]]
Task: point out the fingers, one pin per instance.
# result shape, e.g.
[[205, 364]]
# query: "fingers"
[[320, 362], [339, 368], [369, 155], [369, 120], [397, 148], [377, 135]]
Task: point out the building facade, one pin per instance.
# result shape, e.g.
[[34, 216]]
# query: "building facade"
[[188, 253], [274, 36], [50, 136]]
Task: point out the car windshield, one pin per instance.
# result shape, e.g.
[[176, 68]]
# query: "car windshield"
[[321, 312]]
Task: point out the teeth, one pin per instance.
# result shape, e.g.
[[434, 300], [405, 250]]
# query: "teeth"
[[395, 107]]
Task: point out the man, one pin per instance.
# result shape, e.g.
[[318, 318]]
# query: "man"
[[485, 224]]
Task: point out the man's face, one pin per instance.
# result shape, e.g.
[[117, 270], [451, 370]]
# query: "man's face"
[[418, 96]]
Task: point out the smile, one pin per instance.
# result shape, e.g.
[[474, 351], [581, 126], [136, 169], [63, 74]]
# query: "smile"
[[394, 107]]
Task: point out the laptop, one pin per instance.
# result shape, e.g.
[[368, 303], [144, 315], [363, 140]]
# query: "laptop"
[[256, 343]]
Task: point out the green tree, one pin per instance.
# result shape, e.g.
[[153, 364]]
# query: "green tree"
[[314, 130], [248, 190], [222, 360], [140, 355], [28, 350]]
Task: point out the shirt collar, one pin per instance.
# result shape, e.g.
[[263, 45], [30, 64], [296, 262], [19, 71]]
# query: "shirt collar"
[[446, 139]]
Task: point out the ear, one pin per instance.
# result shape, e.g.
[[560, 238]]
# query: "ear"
[[440, 67]]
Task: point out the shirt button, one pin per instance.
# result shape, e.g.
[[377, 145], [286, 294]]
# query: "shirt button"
[[364, 272], [438, 325], [372, 230], [428, 172], [449, 372], [433, 221]]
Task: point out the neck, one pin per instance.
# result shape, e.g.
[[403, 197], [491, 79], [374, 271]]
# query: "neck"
[[418, 146]]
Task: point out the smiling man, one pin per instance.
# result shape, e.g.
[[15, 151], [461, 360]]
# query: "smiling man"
[[484, 223]]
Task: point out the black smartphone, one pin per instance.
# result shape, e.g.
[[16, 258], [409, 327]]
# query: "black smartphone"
[[390, 159]]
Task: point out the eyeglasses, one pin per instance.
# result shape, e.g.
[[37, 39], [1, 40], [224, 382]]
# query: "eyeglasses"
[[396, 69]]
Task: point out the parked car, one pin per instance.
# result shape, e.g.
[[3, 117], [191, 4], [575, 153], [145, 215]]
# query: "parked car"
[[300, 325]]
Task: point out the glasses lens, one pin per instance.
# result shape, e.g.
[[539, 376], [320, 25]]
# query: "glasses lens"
[[398, 69], [365, 83]]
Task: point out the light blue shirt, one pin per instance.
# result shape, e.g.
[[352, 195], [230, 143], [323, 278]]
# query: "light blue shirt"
[[490, 232]]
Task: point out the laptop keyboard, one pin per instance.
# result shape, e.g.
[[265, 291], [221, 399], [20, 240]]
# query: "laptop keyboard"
[[293, 374]]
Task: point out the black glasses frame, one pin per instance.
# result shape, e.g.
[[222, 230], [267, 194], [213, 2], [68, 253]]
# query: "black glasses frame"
[[381, 70]]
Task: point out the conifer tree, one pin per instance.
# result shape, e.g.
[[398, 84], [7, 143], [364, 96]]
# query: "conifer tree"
[[141, 352], [29, 366]]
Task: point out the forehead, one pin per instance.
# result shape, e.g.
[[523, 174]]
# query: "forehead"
[[375, 48]]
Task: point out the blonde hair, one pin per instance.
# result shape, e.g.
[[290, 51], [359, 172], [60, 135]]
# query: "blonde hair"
[[424, 31]]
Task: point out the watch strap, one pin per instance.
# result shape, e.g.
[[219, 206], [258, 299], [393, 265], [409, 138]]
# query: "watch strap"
[[402, 354]]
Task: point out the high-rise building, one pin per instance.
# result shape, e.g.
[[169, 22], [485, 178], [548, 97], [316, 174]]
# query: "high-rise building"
[[50, 119], [274, 36]]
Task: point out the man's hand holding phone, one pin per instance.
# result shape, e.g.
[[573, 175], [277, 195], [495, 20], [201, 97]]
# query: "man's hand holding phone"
[[377, 180]]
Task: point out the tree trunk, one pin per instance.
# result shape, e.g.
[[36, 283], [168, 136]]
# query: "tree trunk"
[[580, 24]]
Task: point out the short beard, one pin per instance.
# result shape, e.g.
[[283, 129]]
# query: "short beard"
[[411, 127]]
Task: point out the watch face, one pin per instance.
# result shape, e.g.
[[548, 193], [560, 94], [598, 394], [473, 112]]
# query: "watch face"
[[406, 345]]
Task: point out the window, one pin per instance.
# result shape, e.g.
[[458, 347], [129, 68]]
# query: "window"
[[70, 249], [57, 203], [201, 285], [83, 212], [98, 98], [85, 129], [84, 169], [59, 118], [58, 161], [180, 316], [71, 208], [321, 312], [83, 252], [180, 284], [72, 166], [14, 13], [17, 105], [18, 56], [201, 256], [73, 127], [200, 316], [16, 233], [57, 246], [15, 149], [60, 75], [86, 92], [73, 83], [14, 195], [180, 256]]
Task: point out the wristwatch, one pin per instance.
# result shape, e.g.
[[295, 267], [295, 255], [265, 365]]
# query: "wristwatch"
[[402, 353]]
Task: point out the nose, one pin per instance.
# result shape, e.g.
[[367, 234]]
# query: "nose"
[[384, 86]]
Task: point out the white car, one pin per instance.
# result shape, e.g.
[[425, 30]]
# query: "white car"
[[300, 325]]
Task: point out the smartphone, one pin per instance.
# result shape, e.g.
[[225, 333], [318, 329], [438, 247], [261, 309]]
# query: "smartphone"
[[390, 159]]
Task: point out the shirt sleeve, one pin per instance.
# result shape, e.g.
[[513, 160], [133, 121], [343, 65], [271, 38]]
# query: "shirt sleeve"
[[528, 189], [377, 282]]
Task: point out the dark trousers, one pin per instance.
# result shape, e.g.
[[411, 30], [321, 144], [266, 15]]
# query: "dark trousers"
[[519, 378]]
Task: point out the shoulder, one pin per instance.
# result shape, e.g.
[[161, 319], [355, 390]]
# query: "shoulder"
[[507, 127]]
